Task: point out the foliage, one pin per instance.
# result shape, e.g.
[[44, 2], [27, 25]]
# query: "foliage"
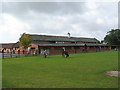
[[113, 37], [25, 40], [102, 41], [85, 70]]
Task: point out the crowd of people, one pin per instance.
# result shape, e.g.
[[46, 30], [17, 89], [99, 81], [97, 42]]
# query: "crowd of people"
[[13, 51]]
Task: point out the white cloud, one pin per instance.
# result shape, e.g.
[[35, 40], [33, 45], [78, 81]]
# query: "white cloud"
[[91, 4], [100, 21], [92, 20], [11, 28]]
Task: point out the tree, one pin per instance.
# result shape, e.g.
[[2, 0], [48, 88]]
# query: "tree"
[[113, 37], [102, 41], [25, 40]]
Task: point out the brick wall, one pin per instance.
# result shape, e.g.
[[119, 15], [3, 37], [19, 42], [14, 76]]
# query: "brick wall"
[[72, 49], [53, 50]]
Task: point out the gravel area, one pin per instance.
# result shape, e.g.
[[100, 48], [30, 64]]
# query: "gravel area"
[[113, 73]]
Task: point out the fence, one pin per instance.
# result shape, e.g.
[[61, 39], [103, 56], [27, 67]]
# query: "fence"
[[17, 54], [11, 55], [21, 54]]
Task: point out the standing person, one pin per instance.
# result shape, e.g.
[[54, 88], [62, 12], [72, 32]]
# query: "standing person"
[[35, 52], [18, 52], [63, 52], [45, 53], [3, 50], [23, 51], [29, 50], [3, 53], [7, 51], [85, 48], [13, 51], [100, 48]]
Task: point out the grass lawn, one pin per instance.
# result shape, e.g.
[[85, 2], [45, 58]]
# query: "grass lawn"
[[85, 70]]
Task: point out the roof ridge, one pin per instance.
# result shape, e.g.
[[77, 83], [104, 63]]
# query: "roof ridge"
[[61, 36], [7, 43], [46, 35], [84, 37]]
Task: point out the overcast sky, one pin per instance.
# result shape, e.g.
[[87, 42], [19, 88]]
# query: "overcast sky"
[[81, 19]]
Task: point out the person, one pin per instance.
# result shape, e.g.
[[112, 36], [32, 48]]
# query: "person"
[[2, 50], [85, 48], [29, 50], [63, 52], [45, 53], [35, 52], [3, 53], [18, 52], [66, 53], [13, 51], [7, 51], [99, 48], [23, 51]]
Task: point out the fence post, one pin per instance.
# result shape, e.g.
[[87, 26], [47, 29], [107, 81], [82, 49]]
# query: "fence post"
[[2, 54]]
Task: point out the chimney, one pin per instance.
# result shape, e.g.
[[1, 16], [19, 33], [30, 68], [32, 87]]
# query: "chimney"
[[68, 34]]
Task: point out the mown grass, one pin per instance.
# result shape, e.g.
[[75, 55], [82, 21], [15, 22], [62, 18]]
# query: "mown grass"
[[85, 70]]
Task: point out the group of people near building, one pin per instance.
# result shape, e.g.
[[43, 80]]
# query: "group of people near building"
[[12, 50], [4, 50]]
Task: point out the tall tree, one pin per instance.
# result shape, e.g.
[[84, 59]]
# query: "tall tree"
[[25, 40], [113, 37]]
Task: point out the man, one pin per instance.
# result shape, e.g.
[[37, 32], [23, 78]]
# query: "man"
[[19, 52], [66, 53], [45, 53], [63, 52], [29, 49]]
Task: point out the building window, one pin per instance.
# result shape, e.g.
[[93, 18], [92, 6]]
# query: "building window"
[[32, 48], [52, 41], [73, 42], [59, 42]]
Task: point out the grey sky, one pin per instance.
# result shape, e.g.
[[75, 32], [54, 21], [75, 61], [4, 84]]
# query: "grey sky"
[[81, 19]]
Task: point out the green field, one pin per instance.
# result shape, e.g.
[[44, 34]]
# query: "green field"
[[84, 70]]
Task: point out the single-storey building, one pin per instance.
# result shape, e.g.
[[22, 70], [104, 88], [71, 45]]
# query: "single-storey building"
[[54, 44]]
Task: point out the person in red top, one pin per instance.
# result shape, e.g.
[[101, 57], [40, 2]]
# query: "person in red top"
[[18, 52], [23, 51]]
